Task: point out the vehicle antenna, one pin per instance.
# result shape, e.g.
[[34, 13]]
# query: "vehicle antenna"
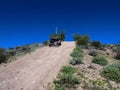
[[56, 30]]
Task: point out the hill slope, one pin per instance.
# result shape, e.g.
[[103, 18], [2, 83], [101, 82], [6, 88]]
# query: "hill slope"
[[34, 71]]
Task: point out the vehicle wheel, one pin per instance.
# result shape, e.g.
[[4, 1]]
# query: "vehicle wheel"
[[49, 45], [60, 44]]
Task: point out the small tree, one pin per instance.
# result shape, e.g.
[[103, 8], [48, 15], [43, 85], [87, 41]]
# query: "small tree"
[[82, 40]]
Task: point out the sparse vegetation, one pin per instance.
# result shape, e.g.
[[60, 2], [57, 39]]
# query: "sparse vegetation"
[[112, 72], [66, 79], [68, 70], [88, 82], [100, 60], [92, 86], [93, 52], [12, 53], [77, 56]]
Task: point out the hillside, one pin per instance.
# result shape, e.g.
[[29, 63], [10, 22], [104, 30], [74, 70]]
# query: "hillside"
[[90, 68], [35, 70]]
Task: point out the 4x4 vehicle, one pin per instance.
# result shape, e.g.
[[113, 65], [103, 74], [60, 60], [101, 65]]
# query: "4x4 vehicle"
[[54, 41]]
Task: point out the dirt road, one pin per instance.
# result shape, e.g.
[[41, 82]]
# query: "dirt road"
[[34, 71]]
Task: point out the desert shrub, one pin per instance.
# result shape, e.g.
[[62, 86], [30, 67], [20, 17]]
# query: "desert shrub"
[[75, 61], [117, 50], [11, 53], [45, 43], [116, 65], [68, 70], [3, 58], [3, 55], [26, 49], [112, 72], [66, 78], [98, 84], [18, 47], [11, 49], [81, 39], [93, 52], [59, 88], [92, 87], [96, 44], [66, 81], [77, 52], [76, 56], [100, 60], [78, 48]]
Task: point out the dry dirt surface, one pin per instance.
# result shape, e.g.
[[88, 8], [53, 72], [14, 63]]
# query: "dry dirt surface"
[[34, 71]]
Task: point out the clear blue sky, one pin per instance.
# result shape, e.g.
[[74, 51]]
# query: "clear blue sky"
[[31, 21]]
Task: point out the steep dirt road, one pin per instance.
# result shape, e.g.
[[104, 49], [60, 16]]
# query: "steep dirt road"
[[34, 71]]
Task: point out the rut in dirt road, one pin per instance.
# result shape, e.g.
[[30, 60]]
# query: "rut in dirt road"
[[34, 71]]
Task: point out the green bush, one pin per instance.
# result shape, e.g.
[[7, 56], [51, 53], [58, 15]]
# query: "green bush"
[[11, 53], [3, 58], [96, 44], [93, 52], [78, 48], [77, 51], [112, 72], [59, 88], [3, 55], [77, 56], [68, 70], [117, 50], [92, 87], [66, 79], [75, 61], [81, 39], [100, 60]]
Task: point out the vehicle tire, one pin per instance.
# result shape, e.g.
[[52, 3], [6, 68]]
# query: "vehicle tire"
[[49, 45], [60, 44]]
